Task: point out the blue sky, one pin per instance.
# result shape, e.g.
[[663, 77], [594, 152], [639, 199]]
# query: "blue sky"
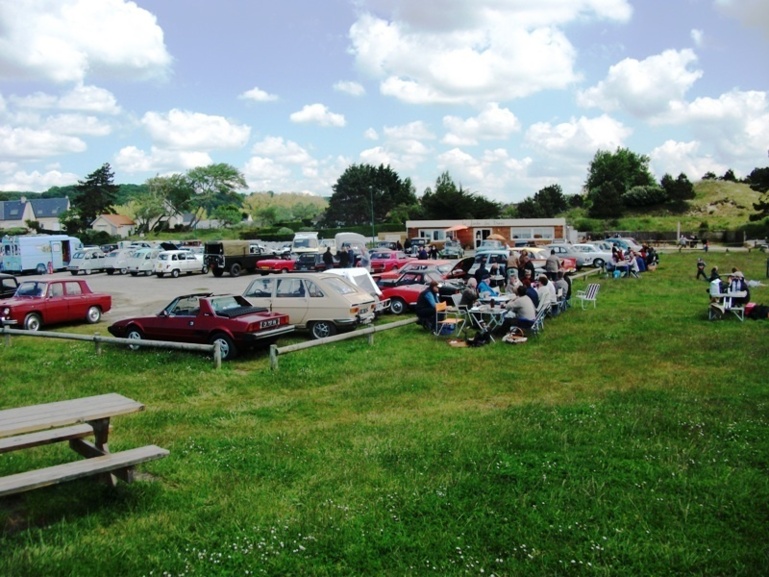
[[508, 96]]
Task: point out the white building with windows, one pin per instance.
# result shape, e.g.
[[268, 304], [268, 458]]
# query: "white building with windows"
[[471, 232]]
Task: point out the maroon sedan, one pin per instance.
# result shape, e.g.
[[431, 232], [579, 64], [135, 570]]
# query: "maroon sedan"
[[205, 318], [47, 302]]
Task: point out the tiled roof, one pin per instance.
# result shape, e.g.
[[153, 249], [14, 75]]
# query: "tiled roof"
[[48, 207]]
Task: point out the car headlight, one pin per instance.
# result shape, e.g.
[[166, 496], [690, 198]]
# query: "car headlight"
[[6, 311]]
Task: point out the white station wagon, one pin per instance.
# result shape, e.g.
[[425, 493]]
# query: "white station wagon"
[[176, 262], [323, 303]]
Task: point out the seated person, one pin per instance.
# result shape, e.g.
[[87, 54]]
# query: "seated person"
[[562, 286], [533, 295], [523, 308], [737, 284], [470, 294], [546, 292], [485, 288], [527, 277], [513, 282], [425, 307]]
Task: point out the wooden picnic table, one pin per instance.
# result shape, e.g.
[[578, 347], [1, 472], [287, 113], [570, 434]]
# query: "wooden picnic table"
[[71, 421]]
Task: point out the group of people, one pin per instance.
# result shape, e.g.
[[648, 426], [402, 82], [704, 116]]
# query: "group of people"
[[631, 262], [734, 283], [525, 296]]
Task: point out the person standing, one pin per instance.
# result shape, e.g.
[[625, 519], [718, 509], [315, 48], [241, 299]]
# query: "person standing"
[[344, 258], [328, 258], [552, 264], [701, 270]]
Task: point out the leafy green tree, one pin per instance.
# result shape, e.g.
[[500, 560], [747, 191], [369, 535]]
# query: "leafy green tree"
[[547, 203], [758, 179], [95, 195], [450, 201], [644, 196], [729, 176], [678, 190], [364, 185], [709, 176], [623, 168], [529, 208], [213, 186], [605, 201], [228, 215], [149, 206]]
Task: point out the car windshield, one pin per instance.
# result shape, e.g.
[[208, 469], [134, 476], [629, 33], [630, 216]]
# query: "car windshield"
[[381, 255], [31, 289], [340, 286], [224, 303]]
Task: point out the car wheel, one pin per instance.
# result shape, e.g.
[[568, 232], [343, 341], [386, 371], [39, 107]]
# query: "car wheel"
[[283, 271], [88, 271], [175, 273], [134, 273], [41, 269], [204, 270], [598, 263], [322, 329], [397, 306], [160, 274], [110, 271], [134, 334], [218, 272], [93, 315], [73, 272], [226, 346], [235, 270], [123, 271], [32, 322]]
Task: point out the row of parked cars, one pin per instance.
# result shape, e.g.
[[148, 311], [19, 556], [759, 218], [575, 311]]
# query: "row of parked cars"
[[138, 260]]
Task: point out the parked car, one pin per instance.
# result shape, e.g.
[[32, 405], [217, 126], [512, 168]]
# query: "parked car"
[[597, 257], [47, 302], [490, 244], [415, 244], [383, 260], [143, 261], [419, 278], [360, 277], [403, 297], [86, 260], [8, 285], [281, 265], [321, 302], [448, 269], [227, 319], [311, 262], [117, 261], [176, 262], [625, 243], [566, 250], [452, 249]]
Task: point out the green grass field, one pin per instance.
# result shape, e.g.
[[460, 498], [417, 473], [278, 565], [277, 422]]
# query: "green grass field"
[[631, 439]]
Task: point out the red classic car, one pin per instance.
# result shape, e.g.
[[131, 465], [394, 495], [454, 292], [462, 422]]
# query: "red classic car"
[[46, 302], [270, 265], [447, 268], [203, 318], [383, 260], [404, 290]]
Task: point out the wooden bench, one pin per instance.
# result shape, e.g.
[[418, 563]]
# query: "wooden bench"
[[121, 464], [71, 421]]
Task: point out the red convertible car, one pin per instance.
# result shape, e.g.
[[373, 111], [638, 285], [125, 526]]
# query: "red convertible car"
[[47, 302], [229, 320], [404, 290]]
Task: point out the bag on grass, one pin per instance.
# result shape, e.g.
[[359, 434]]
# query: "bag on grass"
[[479, 339]]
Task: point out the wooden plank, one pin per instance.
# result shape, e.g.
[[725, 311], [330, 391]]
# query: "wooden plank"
[[47, 416], [69, 471], [45, 437]]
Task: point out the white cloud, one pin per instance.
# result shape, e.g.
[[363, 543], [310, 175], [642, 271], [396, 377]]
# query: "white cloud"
[[751, 13], [67, 40], [35, 144], [697, 36], [318, 114], [184, 130], [37, 181], [284, 151], [645, 88], [493, 123], [578, 137], [674, 157], [81, 98], [471, 51], [371, 134], [77, 124], [349, 87], [402, 148], [258, 95], [131, 159]]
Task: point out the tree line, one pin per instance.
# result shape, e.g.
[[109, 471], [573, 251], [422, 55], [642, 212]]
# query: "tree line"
[[616, 182]]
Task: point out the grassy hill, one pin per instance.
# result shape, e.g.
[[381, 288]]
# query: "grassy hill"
[[721, 205]]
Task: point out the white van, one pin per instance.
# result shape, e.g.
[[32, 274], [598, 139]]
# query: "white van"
[[86, 260], [176, 262]]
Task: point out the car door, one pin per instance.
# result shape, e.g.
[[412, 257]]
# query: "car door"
[[180, 321], [55, 305], [291, 298], [76, 302]]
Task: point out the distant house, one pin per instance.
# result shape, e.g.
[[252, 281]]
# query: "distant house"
[[46, 211], [114, 225]]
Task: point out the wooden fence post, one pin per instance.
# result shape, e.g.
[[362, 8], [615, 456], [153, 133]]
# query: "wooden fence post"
[[273, 357], [217, 355], [97, 343]]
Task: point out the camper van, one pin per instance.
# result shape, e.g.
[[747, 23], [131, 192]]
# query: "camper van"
[[86, 260], [356, 242], [38, 254], [305, 242]]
